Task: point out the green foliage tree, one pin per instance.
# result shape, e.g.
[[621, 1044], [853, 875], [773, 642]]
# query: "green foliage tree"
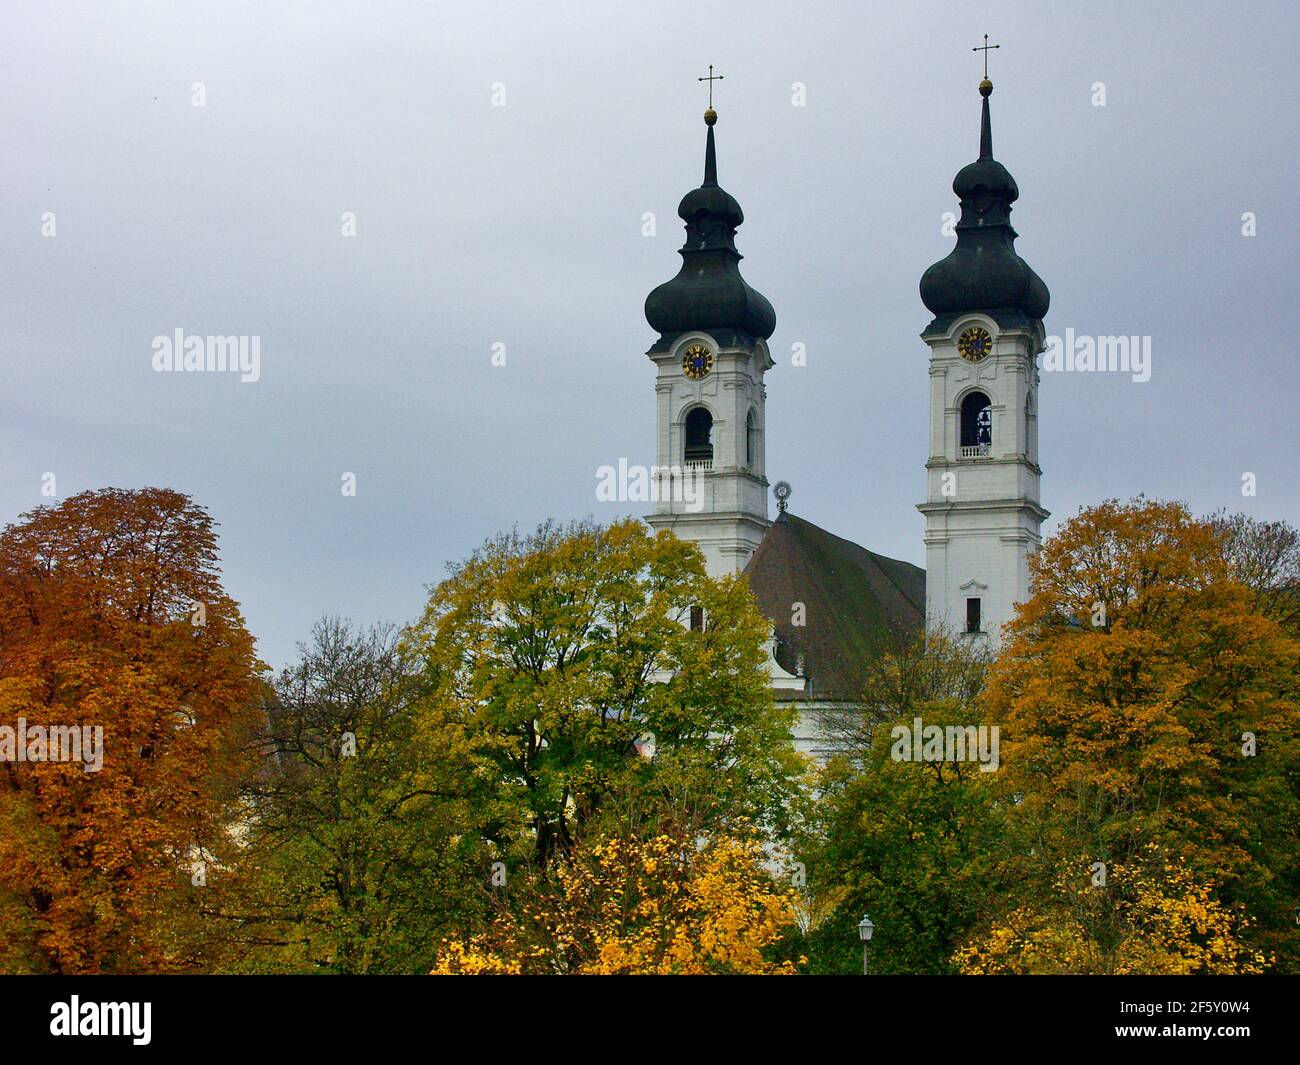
[[360, 841], [914, 844], [567, 655]]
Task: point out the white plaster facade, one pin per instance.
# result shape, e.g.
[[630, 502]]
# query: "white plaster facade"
[[982, 513], [730, 520]]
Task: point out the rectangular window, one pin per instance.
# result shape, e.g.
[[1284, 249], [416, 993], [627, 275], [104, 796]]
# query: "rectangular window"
[[697, 619], [973, 615]]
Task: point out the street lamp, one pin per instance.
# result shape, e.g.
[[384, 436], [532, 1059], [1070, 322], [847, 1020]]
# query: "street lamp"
[[865, 930]]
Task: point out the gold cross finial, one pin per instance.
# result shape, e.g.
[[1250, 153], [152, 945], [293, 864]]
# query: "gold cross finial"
[[711, 79], [985, 47]]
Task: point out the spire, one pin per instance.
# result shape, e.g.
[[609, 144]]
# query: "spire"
[[986, 127], [710, 152], [983, 272], [708, 292], [986, 90]]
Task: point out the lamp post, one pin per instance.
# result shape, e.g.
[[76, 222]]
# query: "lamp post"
[[865, 930]]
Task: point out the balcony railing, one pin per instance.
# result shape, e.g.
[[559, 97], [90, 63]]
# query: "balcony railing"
[[975, 451], [697, 464]]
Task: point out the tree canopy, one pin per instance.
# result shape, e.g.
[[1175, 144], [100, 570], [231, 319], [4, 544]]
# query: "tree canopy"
[[112, 615]]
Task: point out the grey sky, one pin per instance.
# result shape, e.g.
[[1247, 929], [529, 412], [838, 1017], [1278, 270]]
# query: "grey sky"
[[522, 225]]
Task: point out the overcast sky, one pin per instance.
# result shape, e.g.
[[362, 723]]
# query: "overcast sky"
[[522, 225]]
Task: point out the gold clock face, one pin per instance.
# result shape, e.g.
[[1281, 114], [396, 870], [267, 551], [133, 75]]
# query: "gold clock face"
[[975, 344], [697, 361]]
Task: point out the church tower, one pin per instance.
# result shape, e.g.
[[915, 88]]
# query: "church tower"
[[711, 355], [982, 511]]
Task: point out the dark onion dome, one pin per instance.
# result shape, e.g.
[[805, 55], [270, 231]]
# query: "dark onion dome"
[[708, 293], [983, 272]]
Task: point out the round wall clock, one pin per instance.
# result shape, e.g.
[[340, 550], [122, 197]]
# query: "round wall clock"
[[697, 361], [975, 344]]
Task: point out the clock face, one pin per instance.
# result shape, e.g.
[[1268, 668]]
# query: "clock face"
[[975, 344], [697, 361]]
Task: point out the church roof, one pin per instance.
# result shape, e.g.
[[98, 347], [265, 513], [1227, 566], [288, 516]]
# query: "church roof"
[[856, 604]]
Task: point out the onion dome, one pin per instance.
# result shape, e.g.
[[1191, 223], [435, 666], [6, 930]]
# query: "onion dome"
[[708, 294], [983, 272]]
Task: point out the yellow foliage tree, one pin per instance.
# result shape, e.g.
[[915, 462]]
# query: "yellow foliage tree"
[[627, 906], [1151, 918]]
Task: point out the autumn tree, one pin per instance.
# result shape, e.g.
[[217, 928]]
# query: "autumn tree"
[[914, 844], [569, 658], [938, 666], [666, 905], [1150, 918], [112, 615], [360, 844], [1148, 699], [1265, 557]]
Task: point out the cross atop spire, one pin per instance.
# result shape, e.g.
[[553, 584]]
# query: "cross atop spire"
[[711, 79], [985, 48]]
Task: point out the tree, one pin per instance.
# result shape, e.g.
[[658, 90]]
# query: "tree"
[[112, 616], [914, 844], [568, 658], [1145, 700], [1265, 557], [910, 673], [360, 847], [1153, 918], [627, 906]]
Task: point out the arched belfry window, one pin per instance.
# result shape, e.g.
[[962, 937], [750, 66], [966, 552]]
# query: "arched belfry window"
[[751, 440], [976, 425], [699, 435]]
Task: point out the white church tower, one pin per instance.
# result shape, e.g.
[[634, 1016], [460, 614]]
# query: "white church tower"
[[710, 357], [982, 511]]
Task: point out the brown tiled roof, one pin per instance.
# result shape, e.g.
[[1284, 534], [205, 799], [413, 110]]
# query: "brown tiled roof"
[[856, 604]]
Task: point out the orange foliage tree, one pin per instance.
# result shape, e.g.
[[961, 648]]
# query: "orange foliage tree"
[[112, 614], [1145, 698]]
